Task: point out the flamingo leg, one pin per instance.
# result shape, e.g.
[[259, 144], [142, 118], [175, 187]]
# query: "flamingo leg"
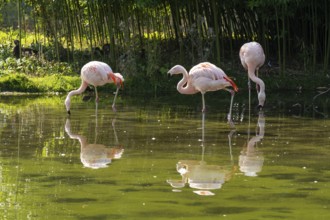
[[114, 130], [203, 100], [203, 135], [96, 109], [96, 124], [96, 95], [114, 100], [203, 128], [230, 135], [229, 118], [249, 85]]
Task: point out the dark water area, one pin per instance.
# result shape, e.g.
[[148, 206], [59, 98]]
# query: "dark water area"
[[161, 158]]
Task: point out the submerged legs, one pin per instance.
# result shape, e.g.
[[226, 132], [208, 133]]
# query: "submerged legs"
[[114, 100], [229, 117]]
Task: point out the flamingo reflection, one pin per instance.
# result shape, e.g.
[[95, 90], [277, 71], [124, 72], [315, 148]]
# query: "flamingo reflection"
[[251, 159], [95, 155], [201, 176]]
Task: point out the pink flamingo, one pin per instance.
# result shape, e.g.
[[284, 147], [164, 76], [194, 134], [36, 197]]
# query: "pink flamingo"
[[204, 77], [252, 58], [96, 73], [96, 155]]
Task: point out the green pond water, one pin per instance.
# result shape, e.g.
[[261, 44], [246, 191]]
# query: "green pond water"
[[164, 159]]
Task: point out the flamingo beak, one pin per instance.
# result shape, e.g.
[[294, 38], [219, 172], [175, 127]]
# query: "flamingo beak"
[[231, 83], [121, 83], [115, 79]]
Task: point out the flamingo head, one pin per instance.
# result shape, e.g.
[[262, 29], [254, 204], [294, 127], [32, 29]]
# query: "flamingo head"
[[67, 105], [117, 78], [231, 83], [177, 69], [112, 76], [262, 99]]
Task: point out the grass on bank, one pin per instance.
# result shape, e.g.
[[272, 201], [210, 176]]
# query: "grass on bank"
[[20, 82]]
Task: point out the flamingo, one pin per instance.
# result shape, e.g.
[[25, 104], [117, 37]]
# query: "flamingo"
[[97, 74], [93, 155], [202, 78], [251, 159], [252, 58], [200, 175]]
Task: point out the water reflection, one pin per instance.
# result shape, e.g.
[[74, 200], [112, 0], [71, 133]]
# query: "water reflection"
[[96, 155], [251, 158], [297, 152], [201, 176]]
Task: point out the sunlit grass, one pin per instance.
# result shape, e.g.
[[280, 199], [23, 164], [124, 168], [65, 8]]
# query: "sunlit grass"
[[45, 84]]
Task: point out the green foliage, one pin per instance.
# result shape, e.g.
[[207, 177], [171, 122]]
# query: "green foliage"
[[47, 84], [206, 29], [57, 83], [5, 51], [147, 38], [17, 82], [35, 67]]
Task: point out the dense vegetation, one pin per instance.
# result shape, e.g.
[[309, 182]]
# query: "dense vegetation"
[[144, 38]]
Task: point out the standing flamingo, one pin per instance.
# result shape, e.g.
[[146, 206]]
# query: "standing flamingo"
[[252, 58], [96, 73], [202, 78]]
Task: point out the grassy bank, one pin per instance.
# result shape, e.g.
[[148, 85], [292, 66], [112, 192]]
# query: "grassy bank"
[[44, 84], [142, 85]]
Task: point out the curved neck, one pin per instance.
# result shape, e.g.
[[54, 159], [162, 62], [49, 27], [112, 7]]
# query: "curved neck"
[[258, 81], [184, 86], [80, 90], [80, 138], [261, 93]]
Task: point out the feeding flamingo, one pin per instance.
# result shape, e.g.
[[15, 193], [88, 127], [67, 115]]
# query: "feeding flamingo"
[[251, 159], [204, 77], [252, 58], [96, 73], [95, 155]]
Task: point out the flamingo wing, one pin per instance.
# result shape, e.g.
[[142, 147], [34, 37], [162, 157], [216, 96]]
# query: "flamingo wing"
[[208, 77], [95, 73], [252, 54]]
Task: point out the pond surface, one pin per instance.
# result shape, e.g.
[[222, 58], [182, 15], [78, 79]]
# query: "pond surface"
[[159, 160]]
